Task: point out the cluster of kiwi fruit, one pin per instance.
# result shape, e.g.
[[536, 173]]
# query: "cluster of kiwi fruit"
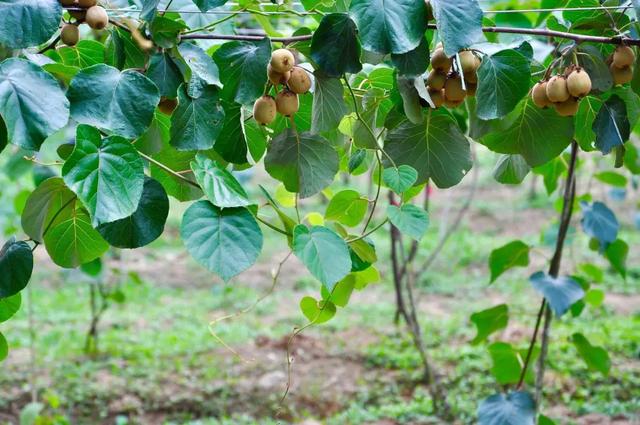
[[93, 15], [621, 64], [563, 91], [445, 83], [294, 80]]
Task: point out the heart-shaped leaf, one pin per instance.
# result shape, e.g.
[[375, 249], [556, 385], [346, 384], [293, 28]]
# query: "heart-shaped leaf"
[[335, 46], [611, 125], [513, 254], [409, 219], [560, 292], [490, 321], [595, 357], [400, 179], [317, 312], [459, 23], [27, 23], [43, 204], [219, 185], [347, 207], [516, 408], [323, 252], [9, 306], [196, 123], [599, 222], [16, 265]]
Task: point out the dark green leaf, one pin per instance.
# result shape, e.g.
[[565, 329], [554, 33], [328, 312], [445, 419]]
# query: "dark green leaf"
[[225, 241], [204, 71], [590, 58], [219, 185], [16, 265], [335, 46], [178, 161], [196, 123], [414, 62], [596, 358], [560, 292], [47, 200], [347, 207], [516, 408], [459, 23], [165, 32], [513, 254], [399, 179], [165, 74], [328, 104], [149, 9], [587, 111], [599, 222], [232, 142], [143, 226], [30, 118], [489, 321], [611, 125], [9, 306], [207, 5], [323, 252], [122, 102], [511, 169], [409, 219], [27, 23]]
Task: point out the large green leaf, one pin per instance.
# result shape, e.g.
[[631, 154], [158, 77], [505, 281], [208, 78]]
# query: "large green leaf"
[[335, 46], [243, 69], [83, 55], [122, 102], [204, 70], [145, 225], [32, 104], [323, 252], [587, 111], [225, 241], [507, 363], [106, 174], [511, 169], [503, 80], [165, 31], [459, 23], [436, 148], [539, 135], [489, 321], [329, 106], [44, 203], [513, 254], [516, 408], [414, 62], [611, 125], [390, 26], [183, 189], [560, 292], [347, 207], [9, 306], [595, 357], [599, 222], [71, 240], [27, 23], [165, 74], [409, 219], [399, 179], [305, 163], [219, 185], [196, 123], [16, 265]]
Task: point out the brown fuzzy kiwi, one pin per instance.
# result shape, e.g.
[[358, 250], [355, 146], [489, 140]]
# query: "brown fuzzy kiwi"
[[287, 103], [539, 95], [568, 108], [167, 105], [623, 56], [264, 110], [471, 89], [97, 17], [452, 103], [69, 34], [437, 97], [277, 78], [436, 80], [469, 62], [440, 61], [77, 14], [557, 89], [578, 82], [453, 88], [621, 75], [471, 77], [299, 82], [282, 60], [87, 3]]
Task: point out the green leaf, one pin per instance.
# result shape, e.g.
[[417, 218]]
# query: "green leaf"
[[341, 292], [539, 135], [328, 104], [16, 265], [149, 9], [612, 178], [511, 169], [165, 31], [515, 408], [335, 46], [513, 254], [347, 207], [4, 347], [27, 23], [306, 163], [543, 420], [204, 71], [219, 185], [587, 111], [44, 203], [409, 219], [29, 119], [596, 358], [71, 240], [122, 102], [177, 161], [400, 179], [390, 27], [414, 62], [145, 225], [4, 137], [9, 306], [165, 74], [83, 55], [317, 312], [459, 23], [436, 148], [225, 241], [490, 321], [503, 80], [196, 123], [207, 5], [617, 253], [106, 174], [323, 252], [611, 125], [590, 58], [507, 363], [243, 67], [560, 292], [599, 222]]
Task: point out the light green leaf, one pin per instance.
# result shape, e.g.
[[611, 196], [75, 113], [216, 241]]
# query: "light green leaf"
[[513, 254], [219, 185], [399, 179], [43, 204], [617, 253], [196, 123], [4, 347], [317, 312], [595, 357], [178, 161], [347, 207], [83, 55], [409, 219], [490, 321], [27, 23], [323, 252], [9, 306]]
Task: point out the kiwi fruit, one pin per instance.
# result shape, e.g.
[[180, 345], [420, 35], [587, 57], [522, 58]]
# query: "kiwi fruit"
[[87, 3], [468, 61], [568, 108], [299, 82], [471, 89], [453, 88], [436, 80], [623, 56], [69, 34], [97, 17], [452, 103], [264, 110], [440, 61], [77, 14], [282, 60], [557, 89], [539, 95], [578, 82], [621, 75], [437, 97], [471, 77], [287, 103], [277, 78], [167, 105]]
